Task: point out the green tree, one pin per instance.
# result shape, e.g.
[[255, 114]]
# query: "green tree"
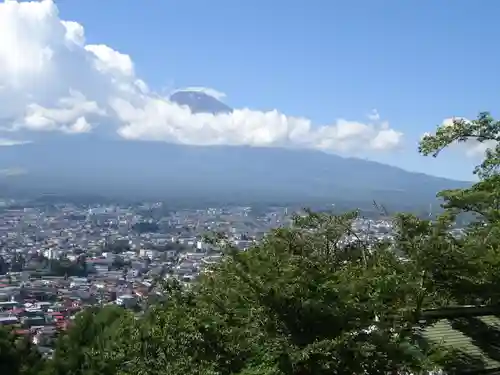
[[300, 302], [17, 355], [477, 252], [93, 344]]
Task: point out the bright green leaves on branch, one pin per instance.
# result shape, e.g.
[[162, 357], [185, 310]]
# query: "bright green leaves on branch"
[[477, 253], [484, 197]]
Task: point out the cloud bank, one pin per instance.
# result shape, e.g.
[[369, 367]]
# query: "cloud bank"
[[52, 81]]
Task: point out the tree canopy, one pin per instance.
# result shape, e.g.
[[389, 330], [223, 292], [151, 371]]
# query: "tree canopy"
[[18, 356]]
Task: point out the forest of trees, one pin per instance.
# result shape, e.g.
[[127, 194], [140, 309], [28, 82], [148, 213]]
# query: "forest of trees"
[[301, 302]]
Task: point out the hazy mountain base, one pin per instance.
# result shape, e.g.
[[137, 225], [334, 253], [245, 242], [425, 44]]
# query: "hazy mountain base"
[[183, 174], [261, 203]]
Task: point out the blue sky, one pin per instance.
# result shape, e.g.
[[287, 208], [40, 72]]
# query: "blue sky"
[[416, 62]]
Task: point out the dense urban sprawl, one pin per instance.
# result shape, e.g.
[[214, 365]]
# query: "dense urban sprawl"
[[57, 259]]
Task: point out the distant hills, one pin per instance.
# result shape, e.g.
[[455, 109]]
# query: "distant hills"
[[89, 164]]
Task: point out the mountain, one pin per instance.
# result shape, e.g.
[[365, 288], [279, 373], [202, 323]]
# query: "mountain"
[[99, 165], [200, 102], [153, 169]]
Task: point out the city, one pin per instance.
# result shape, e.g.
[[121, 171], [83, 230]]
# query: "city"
[[58, 259]]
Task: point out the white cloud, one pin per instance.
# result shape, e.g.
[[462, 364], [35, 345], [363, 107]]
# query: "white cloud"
[[67, 116], [53, 81], [80, 126], [111, 62], [11, 142], [374, 115]]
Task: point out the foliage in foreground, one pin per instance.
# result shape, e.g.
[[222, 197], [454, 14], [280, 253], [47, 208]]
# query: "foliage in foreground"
[[303, 301], [18, 356]]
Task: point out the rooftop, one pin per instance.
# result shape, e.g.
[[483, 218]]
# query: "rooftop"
[[471, 334]]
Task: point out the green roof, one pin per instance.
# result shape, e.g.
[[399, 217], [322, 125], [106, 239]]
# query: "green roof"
[[474, 341]]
